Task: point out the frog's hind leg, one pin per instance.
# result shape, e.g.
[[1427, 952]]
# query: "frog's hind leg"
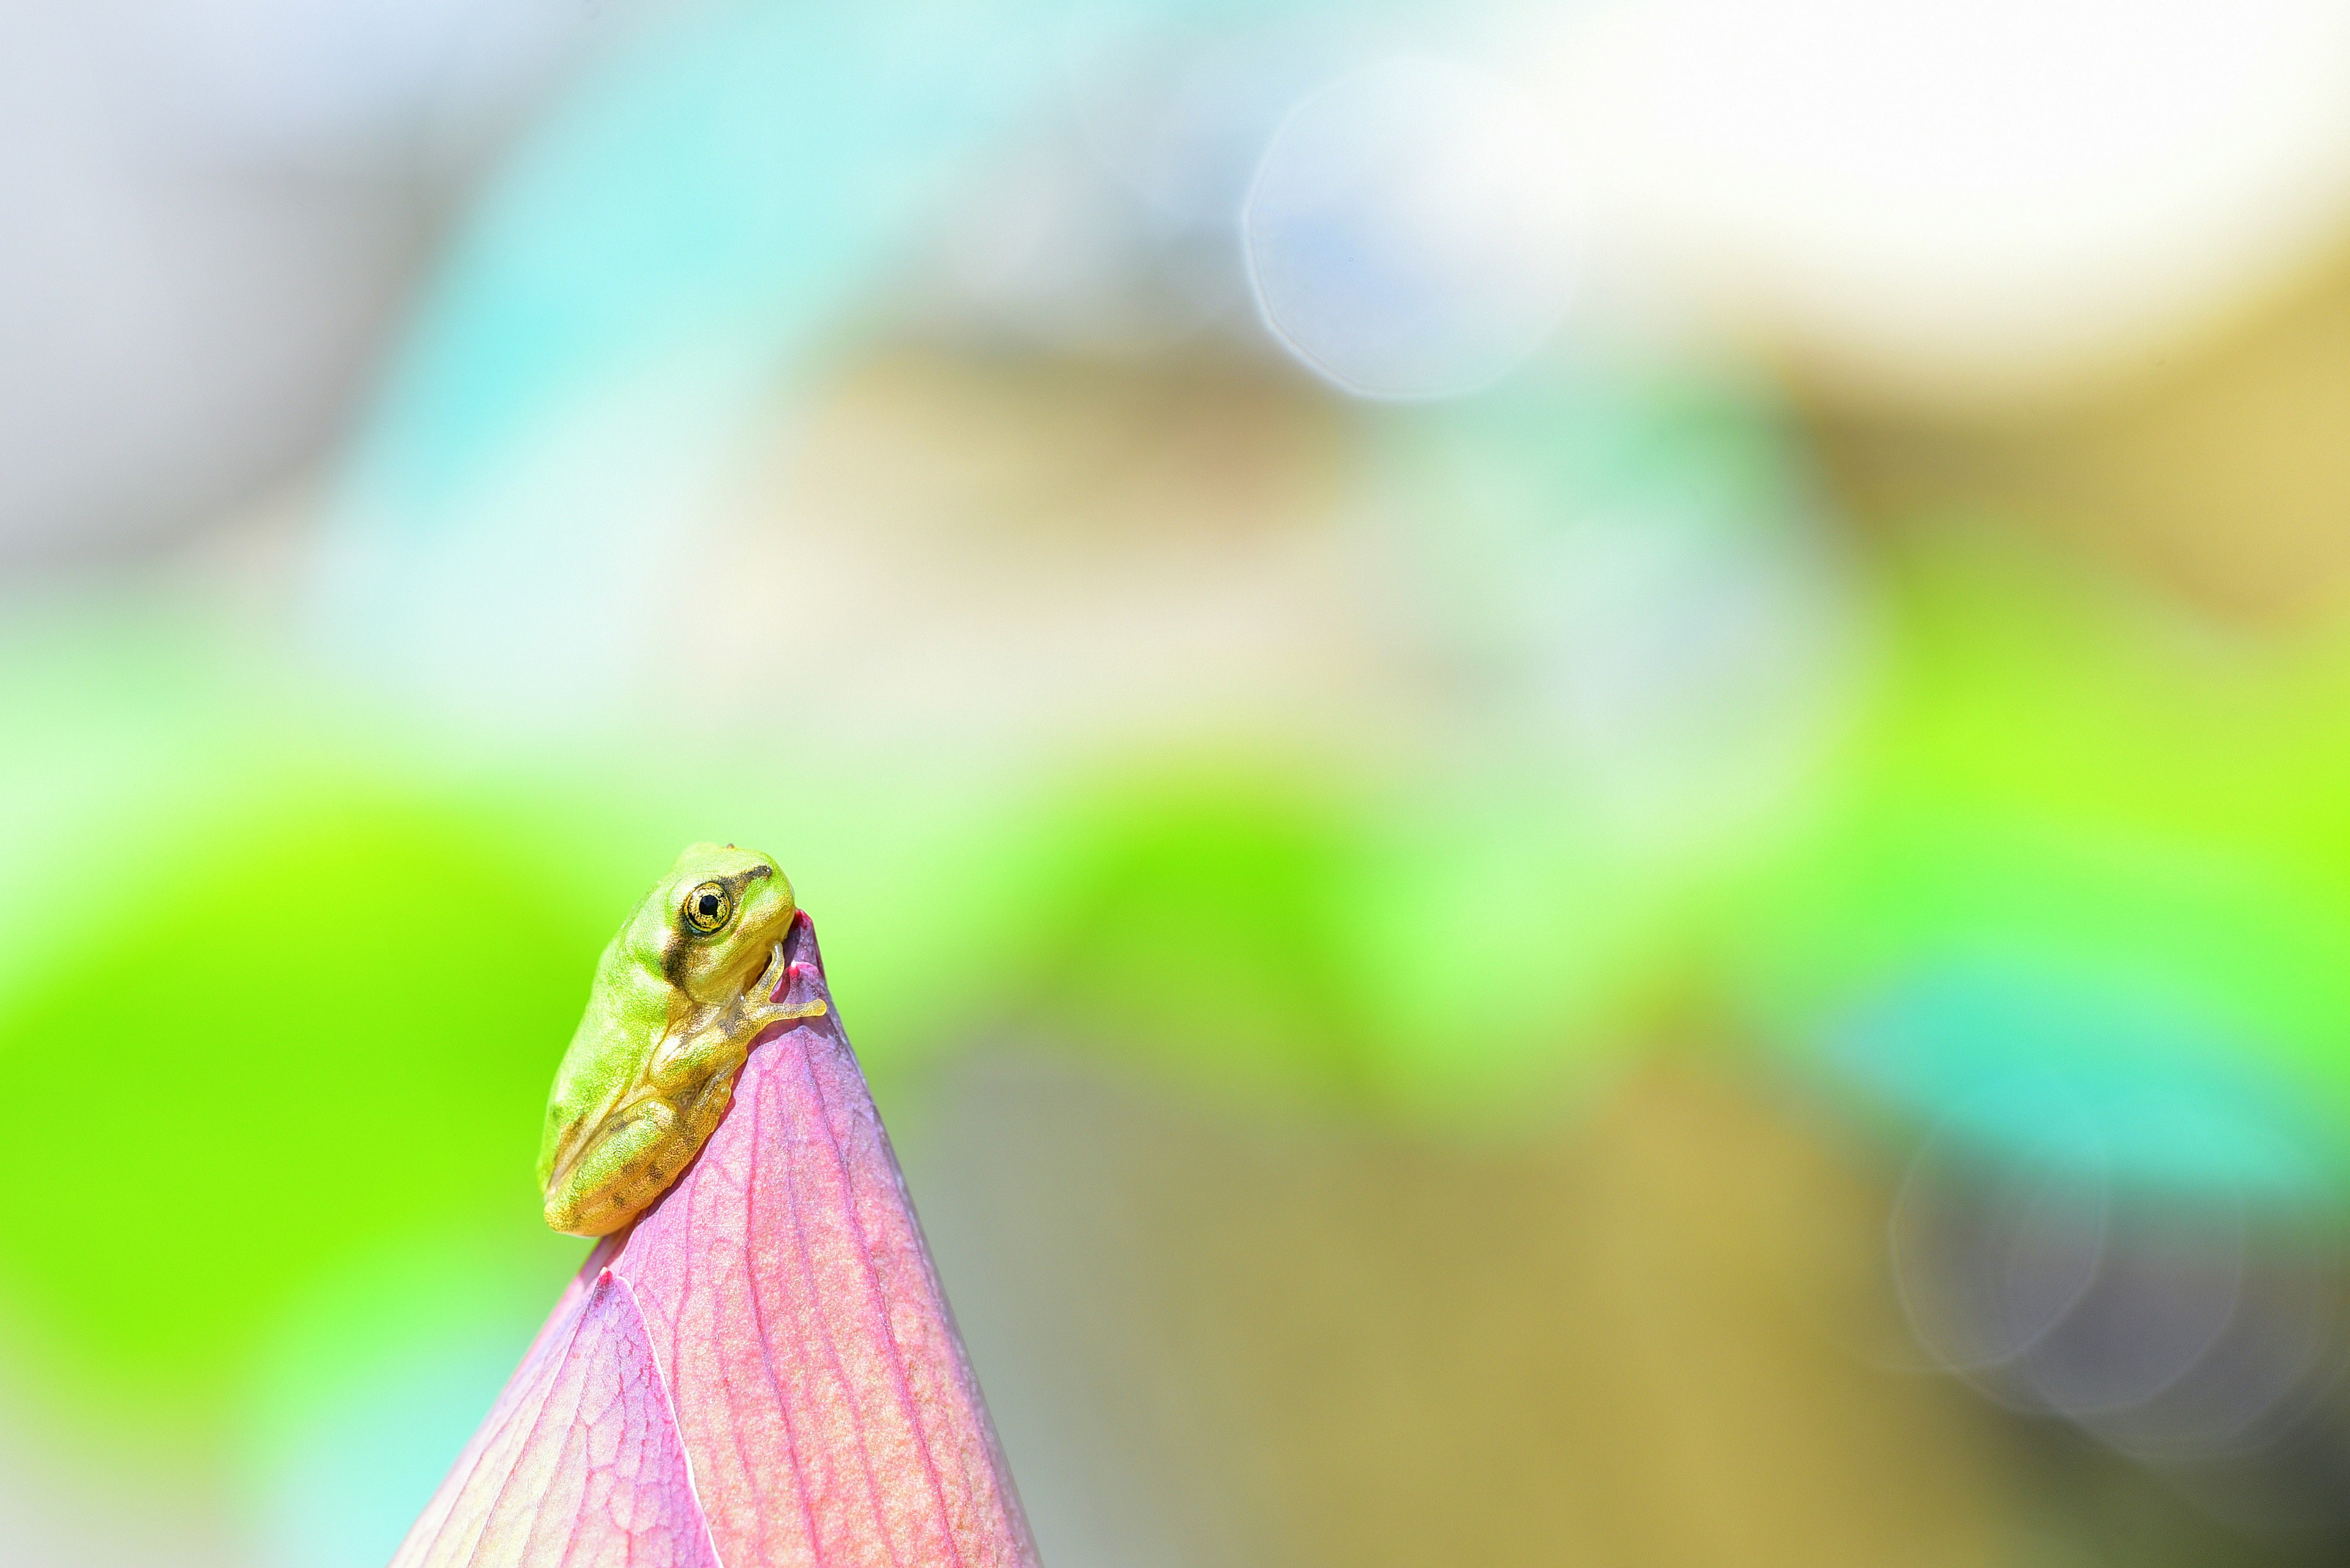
[[625, 1165], [700, 1115]]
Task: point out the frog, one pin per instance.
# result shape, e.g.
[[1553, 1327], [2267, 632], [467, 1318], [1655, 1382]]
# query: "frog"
[[679, 997]]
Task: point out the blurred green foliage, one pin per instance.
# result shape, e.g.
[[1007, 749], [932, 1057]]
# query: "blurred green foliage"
[[287, 981], [326, 1019], [2063, 777]]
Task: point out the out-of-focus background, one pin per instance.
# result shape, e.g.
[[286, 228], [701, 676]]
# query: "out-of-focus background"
[[1579, 774]]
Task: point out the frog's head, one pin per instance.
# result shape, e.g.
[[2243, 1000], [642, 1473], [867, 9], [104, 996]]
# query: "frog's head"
[[720, 909]]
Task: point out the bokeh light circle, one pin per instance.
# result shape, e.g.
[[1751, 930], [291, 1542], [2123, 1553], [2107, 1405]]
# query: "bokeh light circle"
[[1409, 232], [1989, 1258]]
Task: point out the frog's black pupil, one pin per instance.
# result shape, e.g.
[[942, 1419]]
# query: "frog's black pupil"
[[709, 905]]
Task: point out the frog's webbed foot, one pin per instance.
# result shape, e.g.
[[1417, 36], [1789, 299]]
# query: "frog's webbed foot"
[[759, 1011]]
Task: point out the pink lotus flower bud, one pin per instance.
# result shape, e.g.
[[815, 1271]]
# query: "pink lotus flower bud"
[[761, 1373]]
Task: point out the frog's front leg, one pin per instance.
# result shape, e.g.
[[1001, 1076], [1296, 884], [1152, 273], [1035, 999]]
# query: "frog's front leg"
[[758, 996], [645, 1142], [693, 1067], [717, 1040]]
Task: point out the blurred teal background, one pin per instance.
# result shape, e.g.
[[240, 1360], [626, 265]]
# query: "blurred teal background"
[[1580, 776]]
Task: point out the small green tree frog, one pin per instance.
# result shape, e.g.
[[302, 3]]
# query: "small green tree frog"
[[679, 996]]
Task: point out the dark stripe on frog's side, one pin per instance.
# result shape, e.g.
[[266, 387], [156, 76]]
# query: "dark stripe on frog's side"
[[676, 944]]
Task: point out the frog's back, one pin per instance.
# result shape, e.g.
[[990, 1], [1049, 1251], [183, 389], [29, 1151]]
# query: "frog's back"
[[630, 1007]]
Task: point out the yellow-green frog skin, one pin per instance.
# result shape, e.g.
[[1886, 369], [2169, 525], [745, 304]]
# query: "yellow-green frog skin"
[[679, 994]]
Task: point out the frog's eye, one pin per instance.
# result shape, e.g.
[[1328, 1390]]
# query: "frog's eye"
[[709, 907]]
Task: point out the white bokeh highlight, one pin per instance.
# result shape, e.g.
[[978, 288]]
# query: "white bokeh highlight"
[[1954, 199], [1410, 232]]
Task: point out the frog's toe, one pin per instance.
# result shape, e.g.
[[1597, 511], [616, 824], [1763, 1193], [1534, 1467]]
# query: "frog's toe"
[[780, 1011]]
